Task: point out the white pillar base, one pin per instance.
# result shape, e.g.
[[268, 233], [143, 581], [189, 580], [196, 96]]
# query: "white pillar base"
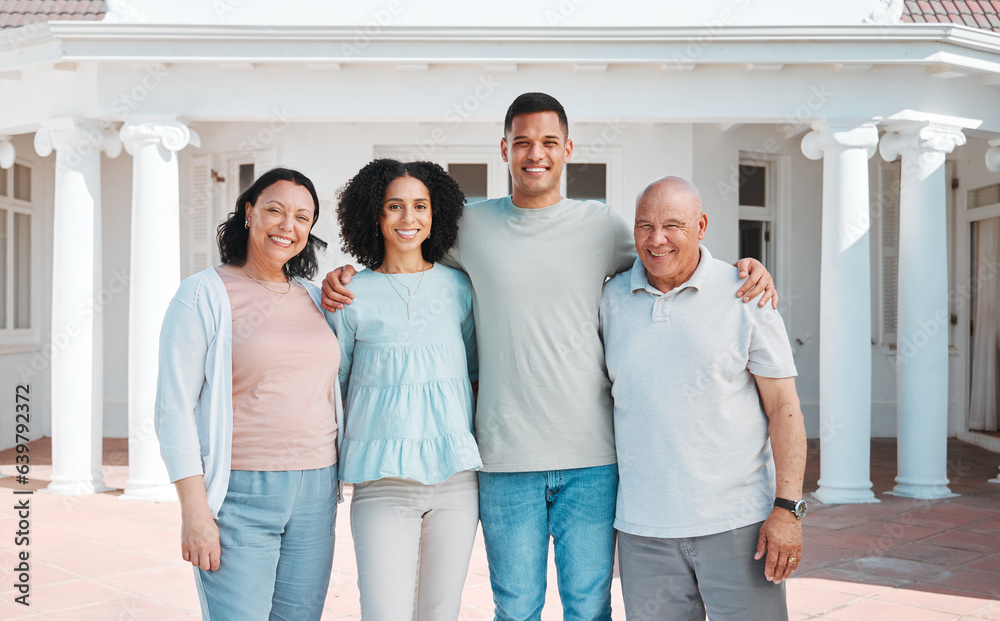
[[154, 493], [845, 496], [76, 487], [922, 491]]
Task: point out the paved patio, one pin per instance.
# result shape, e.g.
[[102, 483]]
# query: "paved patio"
[[103, 558]]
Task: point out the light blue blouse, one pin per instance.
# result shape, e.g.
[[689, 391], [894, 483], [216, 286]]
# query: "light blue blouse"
[[406, 381]]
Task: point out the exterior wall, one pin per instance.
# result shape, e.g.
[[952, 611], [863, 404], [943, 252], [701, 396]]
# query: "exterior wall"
[[116, 182]]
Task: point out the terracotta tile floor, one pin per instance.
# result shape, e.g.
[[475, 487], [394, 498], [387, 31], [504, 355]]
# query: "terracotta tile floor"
[[100, 557]]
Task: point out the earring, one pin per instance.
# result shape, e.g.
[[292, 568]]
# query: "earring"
[[246, 223]]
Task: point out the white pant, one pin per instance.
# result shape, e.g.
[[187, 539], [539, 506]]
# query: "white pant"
[[413, 543]]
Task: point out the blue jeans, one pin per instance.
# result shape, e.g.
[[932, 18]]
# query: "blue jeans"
[[519, 511], [276, 533]]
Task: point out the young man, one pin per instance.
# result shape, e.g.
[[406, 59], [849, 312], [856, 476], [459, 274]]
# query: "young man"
[[538, 262]]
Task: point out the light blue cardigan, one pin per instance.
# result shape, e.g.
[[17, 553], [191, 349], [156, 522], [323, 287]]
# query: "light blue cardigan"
[[194, 390]]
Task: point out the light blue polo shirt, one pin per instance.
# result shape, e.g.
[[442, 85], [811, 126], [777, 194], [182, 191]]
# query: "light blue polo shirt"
[[691, 434]]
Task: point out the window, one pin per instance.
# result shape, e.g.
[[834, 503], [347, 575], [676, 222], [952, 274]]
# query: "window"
[[479, 171], [757, 211], [587, 181], [15, 249], [472, 178]]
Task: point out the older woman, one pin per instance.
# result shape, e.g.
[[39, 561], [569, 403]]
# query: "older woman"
[[247, 411], [408, 352]]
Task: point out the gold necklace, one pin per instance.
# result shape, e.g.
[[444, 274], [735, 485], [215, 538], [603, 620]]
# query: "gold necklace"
[[396, 291], [265, 286]]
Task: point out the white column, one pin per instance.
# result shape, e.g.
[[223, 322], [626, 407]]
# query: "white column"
[[77, 341], [6, 152], [155, 273], [922, 318], [845, 354]]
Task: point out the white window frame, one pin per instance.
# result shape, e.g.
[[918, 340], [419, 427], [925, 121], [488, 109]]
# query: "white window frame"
[[777, 212], [16, 339], [611, 157]]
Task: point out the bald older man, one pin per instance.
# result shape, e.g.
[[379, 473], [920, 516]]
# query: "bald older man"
[[708, 429]]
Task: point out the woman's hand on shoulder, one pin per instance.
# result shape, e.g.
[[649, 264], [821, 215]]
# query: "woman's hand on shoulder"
[[335, 293]]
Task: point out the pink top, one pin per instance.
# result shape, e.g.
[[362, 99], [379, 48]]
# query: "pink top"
[[285, 361]]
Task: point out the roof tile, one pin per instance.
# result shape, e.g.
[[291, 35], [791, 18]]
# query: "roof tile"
[[14, 13], [925, 7], [982, 21], [962, 7], [970, 21], [949, 6], [994, 22], [974, 5], [996, 5], [910, 7], [936, 5]]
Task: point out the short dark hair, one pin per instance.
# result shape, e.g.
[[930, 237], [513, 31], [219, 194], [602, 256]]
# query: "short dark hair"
[[528, 103], [360, 205], [233, 235]]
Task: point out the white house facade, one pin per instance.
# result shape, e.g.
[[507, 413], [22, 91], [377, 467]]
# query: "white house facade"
[[855, 152]]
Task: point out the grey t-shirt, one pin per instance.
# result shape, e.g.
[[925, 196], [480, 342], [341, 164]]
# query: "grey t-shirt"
[[544, 394], [693, 451]]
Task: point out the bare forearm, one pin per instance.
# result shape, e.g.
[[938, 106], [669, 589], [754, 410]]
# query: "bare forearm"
[[788, 443], [192, 495]]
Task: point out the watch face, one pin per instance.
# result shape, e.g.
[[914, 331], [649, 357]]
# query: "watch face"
[[800, 509]]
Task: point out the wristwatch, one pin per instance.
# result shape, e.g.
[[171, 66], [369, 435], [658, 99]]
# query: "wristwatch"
[[797, 507]]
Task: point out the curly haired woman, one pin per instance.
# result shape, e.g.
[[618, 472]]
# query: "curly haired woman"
[[408, 354]]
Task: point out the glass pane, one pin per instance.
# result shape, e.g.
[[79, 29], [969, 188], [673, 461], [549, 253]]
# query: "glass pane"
[[990, 195], [752, 239], [246, 177], [587, 181], [22, 183], [3, 182], [3, 269], [753, 186], [471, 178], [22, 271]]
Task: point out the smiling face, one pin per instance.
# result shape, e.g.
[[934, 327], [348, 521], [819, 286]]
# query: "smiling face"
[[406, 217], [280, 222], [536, 148], [669, 224]]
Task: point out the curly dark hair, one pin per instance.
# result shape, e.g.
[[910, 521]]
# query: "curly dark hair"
[[360, 205], [233, 236]]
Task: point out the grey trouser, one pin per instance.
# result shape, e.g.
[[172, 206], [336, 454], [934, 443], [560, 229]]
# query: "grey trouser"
[[413, 543], [678, 579]]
